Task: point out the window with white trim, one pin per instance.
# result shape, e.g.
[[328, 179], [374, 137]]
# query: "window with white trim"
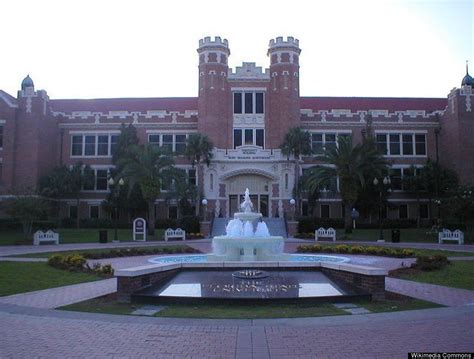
[[169, 141], [100, 145], [325, 211], [401, 144], [403, 211], [249, 137], [191, 172], [249, 102], [321, 141], [100, 183]]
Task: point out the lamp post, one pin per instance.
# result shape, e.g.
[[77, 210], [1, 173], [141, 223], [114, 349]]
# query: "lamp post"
[[204, 204], [384, 182], [115, 193], [292, 203]]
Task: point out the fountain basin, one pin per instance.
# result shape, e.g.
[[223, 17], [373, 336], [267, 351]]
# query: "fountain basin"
[[247, 216], [249, 249]]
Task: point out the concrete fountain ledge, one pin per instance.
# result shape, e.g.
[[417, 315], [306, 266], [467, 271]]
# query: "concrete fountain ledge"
[[369, 280]]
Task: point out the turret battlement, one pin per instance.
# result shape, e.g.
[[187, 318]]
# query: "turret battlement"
[[281, 42], [217, 41]]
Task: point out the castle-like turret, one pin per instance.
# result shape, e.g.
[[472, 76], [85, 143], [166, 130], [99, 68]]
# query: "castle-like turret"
[[215, 117], [284, 94]]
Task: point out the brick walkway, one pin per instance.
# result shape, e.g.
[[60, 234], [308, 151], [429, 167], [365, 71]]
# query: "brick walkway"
[[56, 334]]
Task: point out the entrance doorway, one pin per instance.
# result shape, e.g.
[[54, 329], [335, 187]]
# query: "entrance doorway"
[[260, 203]]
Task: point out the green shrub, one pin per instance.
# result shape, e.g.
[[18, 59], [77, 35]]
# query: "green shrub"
[[190, 224], [429, 263], [74, 262], [356, 250], [310, 224], [342, 248], [165, 223]]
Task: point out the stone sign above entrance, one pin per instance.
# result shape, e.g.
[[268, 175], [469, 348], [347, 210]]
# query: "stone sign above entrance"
[[250, 153]]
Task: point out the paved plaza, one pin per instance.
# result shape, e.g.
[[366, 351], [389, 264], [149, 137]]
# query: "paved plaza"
[[31, 328]]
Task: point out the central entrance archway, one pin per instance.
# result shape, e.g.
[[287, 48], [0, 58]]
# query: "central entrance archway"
[[259, 187]]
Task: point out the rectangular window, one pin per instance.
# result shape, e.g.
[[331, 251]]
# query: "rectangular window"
[[259, 137], [407, 144], [94, 211], [113, 144], [248, 102], [103, 145], [237, 102], [73, 212], [192, 176], [154, 140], [317, 142], [259, 106], [394, 144], [1, 136], [423, 211], [381, 141], [403, 211], [330, 141], [325, 211], [237, 138], [76, 146], [420, 145], [89, 148], [396, 179], [248, 136], [167, 144], [180, 145], [101, 180]]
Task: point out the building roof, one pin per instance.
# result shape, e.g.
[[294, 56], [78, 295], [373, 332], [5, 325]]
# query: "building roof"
[[391, 104], [179, 104]]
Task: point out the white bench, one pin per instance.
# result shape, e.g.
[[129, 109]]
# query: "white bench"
[[175, 233], [447, 235], [325, 233], [48, 236]]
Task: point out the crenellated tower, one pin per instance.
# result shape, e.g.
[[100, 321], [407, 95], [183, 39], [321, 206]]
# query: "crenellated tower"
[[215, 117], [284, 90]]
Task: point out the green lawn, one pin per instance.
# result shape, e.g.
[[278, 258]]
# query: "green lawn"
[[390, 305], [74, 235], [459, 274], [19, 277], [233, 311]]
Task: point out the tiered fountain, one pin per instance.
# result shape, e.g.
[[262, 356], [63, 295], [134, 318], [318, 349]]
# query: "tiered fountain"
[[247, 238]]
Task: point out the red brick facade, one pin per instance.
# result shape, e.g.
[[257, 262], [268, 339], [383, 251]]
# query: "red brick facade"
[[37, 132]]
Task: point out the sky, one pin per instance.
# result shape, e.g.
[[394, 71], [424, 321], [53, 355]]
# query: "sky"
[[139, 48]]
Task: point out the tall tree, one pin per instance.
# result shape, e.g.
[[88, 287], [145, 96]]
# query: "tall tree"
[[26, 206], [199, 149], [413, 182], [296, 143], [125, 141], [67, 182], [354, 166], [149, 168]]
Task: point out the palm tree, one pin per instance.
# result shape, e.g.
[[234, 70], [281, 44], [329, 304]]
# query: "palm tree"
[[296, 143], [67, 182], [413, 182], [149, 168], [355, 166], [199, 149]]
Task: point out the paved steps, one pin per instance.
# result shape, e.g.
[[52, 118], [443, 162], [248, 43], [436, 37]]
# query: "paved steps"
[[276, 226]]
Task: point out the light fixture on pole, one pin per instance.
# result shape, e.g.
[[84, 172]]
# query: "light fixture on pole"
[[384, 183], [115, 196], [204, 203], [292, 203]]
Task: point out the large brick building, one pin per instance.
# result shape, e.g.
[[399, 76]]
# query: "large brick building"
[[246, 112]]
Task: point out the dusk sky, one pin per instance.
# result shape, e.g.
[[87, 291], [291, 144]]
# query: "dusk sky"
[[97, 49]]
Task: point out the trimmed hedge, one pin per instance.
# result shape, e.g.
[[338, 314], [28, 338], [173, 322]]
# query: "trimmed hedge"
[[347, 249], [310, 224]]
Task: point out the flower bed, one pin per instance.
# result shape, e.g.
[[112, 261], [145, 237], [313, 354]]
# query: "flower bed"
[[348, 249]]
